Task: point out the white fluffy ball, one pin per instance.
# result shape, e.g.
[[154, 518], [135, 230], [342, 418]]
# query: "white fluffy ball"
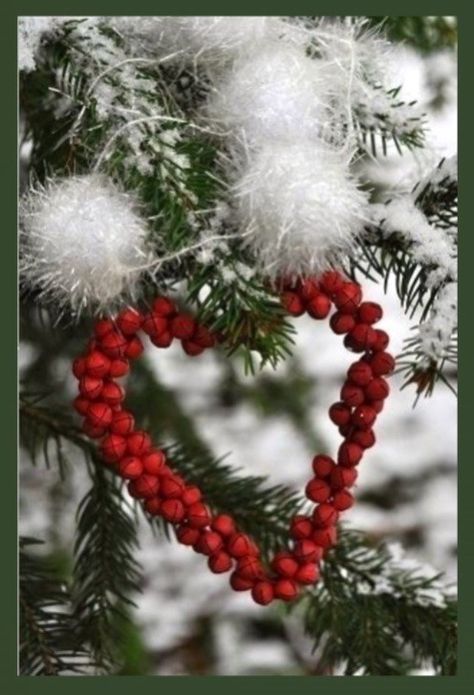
[[83, 243], [274, 92], [210, 39], [299, 208]]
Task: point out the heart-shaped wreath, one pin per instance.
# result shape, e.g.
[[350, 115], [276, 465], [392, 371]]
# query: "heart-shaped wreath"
[[131, 454]]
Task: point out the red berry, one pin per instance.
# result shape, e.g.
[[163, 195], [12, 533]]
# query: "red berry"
[[203, 337], [99, 414], [90, 387], [102, 327], [325, 515], [364, 416], [364, 438], [292, 303], [92, 431], [369, 312], [262, 593], [381, 341], [301, 527], [322, 465], [145, 486], [198, 515], [164, 307], [307, 574], [119, 367], [377, 389], [361, 338], [172, 510], [352, 395], [343, 477], [113, 344], [340, 413], [360, 373], [130, 467], [191, 348], [377, 406], [172, 486], [81, 405], [187, 535], [123, 422], [129, 321], [209, 543], [347, 299], [325, 537], [97, 364], [239, 583], [331, 282], [382, 363], [79, 367], [343, 500], [220, 562], [317, 490], [112, 393], [163, 340], [249, 567], [341, 323], [286, 589], [239, 545], [191, 495], [153, 462], [138, 443], [284, 564], [319, 307], [183, 326], [223, 524], [153, 506], [308, 290], [307, 551], [154, 325], [134, 348], [113, 448], [349, 454]]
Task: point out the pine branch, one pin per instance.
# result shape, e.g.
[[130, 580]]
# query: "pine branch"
[[382, 117], [426, 34], [48, 646], [415, 242], [105, 571], [370, 615]]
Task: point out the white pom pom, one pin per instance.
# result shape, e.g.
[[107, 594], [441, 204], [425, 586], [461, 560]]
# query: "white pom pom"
[[82, 243], [274, 92], [299, 208]]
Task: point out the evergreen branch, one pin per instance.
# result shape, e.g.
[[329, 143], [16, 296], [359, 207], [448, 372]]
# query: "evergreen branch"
[[415, 242], [381, 117], [370, 614], [105, 571], [48, 646], [426, 34]]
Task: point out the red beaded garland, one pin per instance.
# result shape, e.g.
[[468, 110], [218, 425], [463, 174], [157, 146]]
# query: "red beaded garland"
[[164, 493]]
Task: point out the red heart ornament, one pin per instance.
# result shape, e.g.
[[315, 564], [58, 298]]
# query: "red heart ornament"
[[151, 479]]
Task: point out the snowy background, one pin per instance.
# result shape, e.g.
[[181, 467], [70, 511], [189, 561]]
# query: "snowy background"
[[190, 622]]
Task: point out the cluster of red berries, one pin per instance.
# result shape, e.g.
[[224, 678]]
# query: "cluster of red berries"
[[164, 493]]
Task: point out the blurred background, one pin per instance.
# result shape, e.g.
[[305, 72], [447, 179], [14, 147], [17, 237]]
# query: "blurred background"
[[186, 620]]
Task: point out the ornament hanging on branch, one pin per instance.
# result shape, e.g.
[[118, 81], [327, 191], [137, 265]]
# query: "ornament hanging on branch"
[[83, 244], [129, 451]]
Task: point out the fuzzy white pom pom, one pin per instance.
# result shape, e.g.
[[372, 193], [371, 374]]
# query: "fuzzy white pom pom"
[[274, 92], [203, 39], [299, 208], [83, 243]]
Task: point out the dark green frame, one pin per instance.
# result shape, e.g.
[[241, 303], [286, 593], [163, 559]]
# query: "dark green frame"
[[8, 574]]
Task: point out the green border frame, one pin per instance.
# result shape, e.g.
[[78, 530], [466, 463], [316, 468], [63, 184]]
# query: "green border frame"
[[8, 347]]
